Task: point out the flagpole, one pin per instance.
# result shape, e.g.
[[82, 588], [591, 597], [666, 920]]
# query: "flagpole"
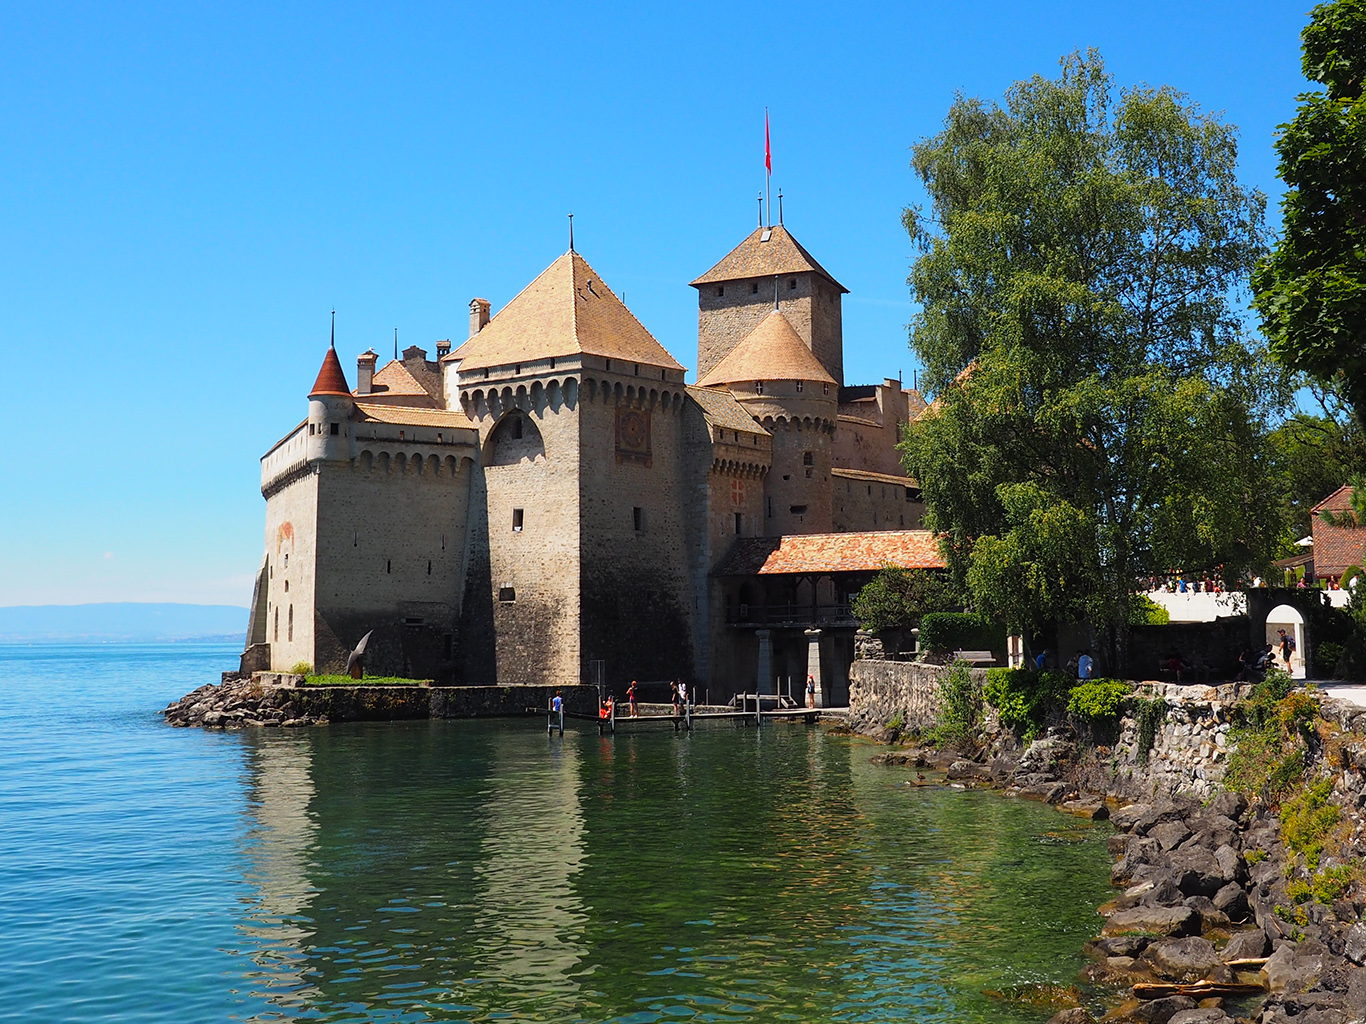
[[768, 172]]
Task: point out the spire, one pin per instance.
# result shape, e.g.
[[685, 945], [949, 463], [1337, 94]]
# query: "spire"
[[571, 232], [331, 380]]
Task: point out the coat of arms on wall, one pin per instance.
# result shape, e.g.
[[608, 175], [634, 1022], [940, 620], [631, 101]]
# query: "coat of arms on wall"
[[633, 436]]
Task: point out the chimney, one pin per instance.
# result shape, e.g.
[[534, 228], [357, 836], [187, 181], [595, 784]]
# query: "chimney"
[[443, 348], [479, 315], [365, 371]]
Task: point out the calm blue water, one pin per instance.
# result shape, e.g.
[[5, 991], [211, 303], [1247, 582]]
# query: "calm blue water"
[[456, 871]]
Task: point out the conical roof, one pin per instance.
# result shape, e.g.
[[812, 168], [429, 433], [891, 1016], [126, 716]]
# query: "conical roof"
[[772, 351], [331, 380], [766, 252], [567, 310]]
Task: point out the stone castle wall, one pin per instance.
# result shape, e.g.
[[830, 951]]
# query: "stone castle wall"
[[812, 307], [291, 562], [859, 505]]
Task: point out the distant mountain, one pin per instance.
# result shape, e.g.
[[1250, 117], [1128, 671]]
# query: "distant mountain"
[[126, 622]]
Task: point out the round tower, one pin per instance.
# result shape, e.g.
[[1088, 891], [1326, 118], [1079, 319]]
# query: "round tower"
[[329, 411], [783, 385]]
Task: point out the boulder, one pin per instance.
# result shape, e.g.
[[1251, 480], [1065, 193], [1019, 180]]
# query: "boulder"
[[1173, 921], [1232, 900], [1200, 1015], [1210, 915], [1169, 834], [1163, 893], [1094, 809], [1231, 864], [968, 770], [1186, 960], [1229, 804], [1115, 844], [1354, 944], [1048, 792], [1197, 872], [1160, 1011], [1288, 970], [1125, 817], [1245, 946], [1118, 946], [1072, 1015]]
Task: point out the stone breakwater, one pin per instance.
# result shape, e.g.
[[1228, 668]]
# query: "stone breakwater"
[[1218, 918], [272, 699]]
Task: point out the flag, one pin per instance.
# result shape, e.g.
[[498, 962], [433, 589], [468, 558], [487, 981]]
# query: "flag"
[[768, 153]]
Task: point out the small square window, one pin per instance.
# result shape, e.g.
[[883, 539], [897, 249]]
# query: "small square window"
[[335, 429], [792, 284], [507, 594], [754, 288], [516, 520], [312, 429], [720, 289]]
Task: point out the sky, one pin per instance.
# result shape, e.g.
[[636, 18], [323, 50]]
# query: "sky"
[[187, 191]]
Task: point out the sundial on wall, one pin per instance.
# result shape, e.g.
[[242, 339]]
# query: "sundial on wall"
[[633, 436]]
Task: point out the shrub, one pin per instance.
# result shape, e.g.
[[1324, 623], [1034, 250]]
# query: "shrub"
[[1025, 698], [1326, 657], [961, 631], [1308, 819], [1271, 733], [301, 668], [896, 598], [960, 707], [1098, 699], [1144, 611]]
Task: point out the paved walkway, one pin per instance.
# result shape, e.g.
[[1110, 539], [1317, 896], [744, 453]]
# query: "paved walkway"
[[1353, 692]]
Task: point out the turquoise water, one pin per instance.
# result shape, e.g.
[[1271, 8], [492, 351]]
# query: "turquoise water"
[[460, 871]]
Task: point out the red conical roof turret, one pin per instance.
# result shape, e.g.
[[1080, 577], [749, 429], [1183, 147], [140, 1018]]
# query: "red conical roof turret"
[[331, 380]]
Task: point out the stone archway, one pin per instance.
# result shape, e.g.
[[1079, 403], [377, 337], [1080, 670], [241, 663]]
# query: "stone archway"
[[1285, 617]]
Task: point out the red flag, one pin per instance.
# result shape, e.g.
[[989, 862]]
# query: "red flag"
[[768, 153]]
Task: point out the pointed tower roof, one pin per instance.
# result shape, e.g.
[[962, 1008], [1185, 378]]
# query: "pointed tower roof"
[[766, 252], [331, 380], [567, 310], [772, 351]]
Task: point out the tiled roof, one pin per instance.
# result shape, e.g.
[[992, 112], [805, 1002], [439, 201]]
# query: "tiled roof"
[[331, 380], [831, 552], [781, 254], [874, 478], [567, 310], [722, 410], [407, 415], [772, 351], [1336, 548], [397, 380]]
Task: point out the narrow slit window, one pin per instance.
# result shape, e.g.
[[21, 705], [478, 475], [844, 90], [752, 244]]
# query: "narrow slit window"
[[517, 520], [334, 429], [800, 386], [291, 623], [638, 518], [739, 522]]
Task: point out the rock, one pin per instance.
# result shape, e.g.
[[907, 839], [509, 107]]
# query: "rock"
[[1210, 915], [1186, 960], [1200, 1015], [1229, 804], [1354, 945], [1115, 844], [1072, 1015], [968, 770], [1160, 1011], [1095, 810], [213, 718], [1048, 792], [1266, 871], [1232, 900], [1124, 817], [1245, 946], [1288, 970], [1044, 753], [1169, 834], [1174, 921], [1164, 893], [1355, 997], [1231, 864], [1118, 946], [1197, 872]]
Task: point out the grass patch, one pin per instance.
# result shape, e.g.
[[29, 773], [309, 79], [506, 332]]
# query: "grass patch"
[[340, 680]]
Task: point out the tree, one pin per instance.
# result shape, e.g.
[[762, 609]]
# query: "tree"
[[1312, 456], [896, 598], [1099, 413], [1311, 290]]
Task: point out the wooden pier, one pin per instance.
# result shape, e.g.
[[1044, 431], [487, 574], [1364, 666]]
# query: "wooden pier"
[[685, 721]]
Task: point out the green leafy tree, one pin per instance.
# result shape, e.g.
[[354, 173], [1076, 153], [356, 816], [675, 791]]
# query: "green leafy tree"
[[1099, 412], [1311, 290], [896, 598], [1312, 456]]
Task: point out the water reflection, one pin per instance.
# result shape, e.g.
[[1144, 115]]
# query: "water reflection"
[[481, 871]]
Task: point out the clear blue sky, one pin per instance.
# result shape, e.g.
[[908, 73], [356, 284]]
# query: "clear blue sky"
[[186, 190]]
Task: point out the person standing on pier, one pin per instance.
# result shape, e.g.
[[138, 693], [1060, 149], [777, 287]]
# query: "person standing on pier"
[[683, 692], [631, 697], [810, 691]]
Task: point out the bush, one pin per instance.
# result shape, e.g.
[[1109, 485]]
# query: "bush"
[[1149, 713], [1098, 700], [1144, 611], [1026, 698], [1271, 734], [961, 631], [960, 707], [1307, 820], [896, 598], [301, 668]]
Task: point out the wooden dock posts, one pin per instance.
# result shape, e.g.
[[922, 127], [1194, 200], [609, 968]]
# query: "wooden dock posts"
[[686, 720]]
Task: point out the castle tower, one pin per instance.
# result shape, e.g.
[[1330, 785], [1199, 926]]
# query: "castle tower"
[[781, 383], [329, 412], [768, 267], [578, 409]]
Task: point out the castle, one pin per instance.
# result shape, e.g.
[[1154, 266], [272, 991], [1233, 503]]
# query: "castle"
[[551, 502]]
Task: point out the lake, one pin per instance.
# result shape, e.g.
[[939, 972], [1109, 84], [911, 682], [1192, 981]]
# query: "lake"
[[482, 871]]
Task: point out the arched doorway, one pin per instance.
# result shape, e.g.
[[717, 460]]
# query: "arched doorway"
[[1284, 617]]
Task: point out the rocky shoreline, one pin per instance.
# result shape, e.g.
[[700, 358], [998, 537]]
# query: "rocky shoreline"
[[1217, 919]]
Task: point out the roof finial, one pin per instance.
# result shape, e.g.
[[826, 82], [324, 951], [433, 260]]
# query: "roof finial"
[[333, 342], [780, 207], [761, 209], [395, 342], [571, 232]]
